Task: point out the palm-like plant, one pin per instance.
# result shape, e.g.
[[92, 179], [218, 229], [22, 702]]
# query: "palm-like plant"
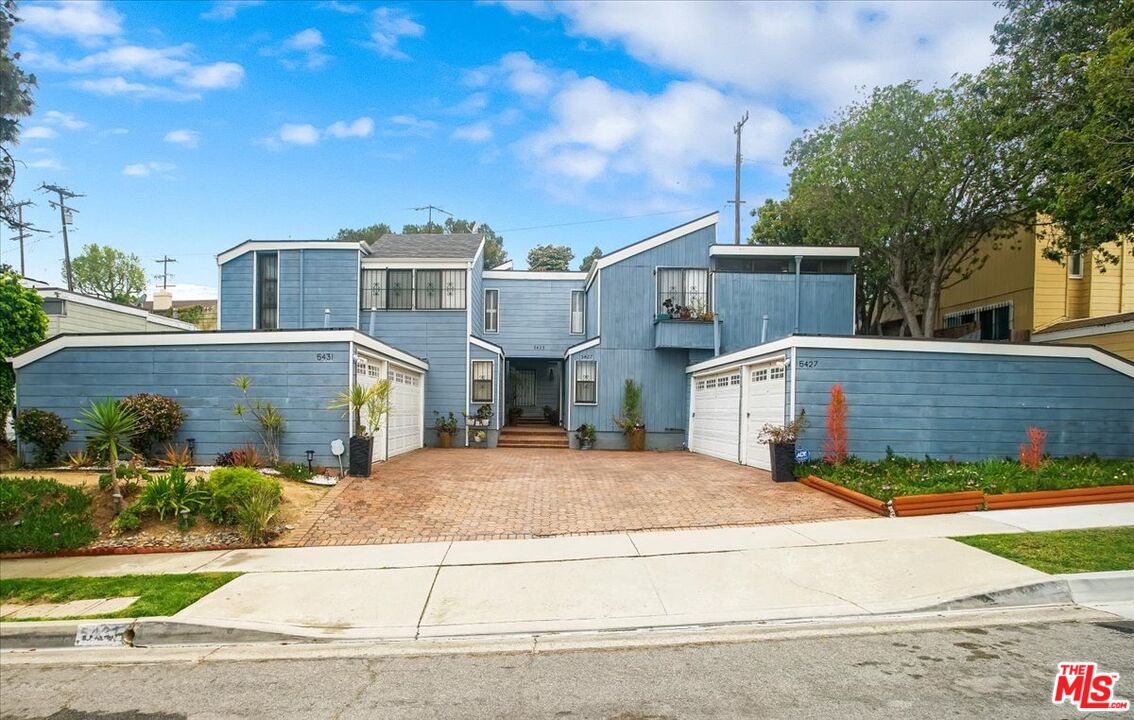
[[109, 427], [375, 400]]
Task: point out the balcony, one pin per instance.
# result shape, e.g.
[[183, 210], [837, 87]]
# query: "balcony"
[[687, 334]]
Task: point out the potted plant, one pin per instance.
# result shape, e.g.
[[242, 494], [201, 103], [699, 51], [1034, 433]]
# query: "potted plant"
[[375, 402], [551, 415], [446, 428], [781, 444], [586, 435], [630, 421], [482, 417], [667, 311], [514, 413]]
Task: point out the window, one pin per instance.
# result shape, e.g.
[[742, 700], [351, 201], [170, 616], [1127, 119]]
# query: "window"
[[482, 381], [453, 289], [267, 291], [683, 288], [578, 312], [777, 372], [586, 382], [491, 311], [53, 306], [1075, 266], [992, 323], [373, 290], [399, 293]]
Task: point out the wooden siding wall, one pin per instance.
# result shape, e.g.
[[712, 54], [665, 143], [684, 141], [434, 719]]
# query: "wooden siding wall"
[[477, 282], [498, 410], [592, 307], [236, 294], [967, 407], [81, 318], [1118, 343], [826, 306], [312, 280], [1008, 275], [439, 336], [200, 379], [535, 317]]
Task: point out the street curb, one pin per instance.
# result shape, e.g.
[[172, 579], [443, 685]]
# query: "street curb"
[[142, 632], [1081, 589]]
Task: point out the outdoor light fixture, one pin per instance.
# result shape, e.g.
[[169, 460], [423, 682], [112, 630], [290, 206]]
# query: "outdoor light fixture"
[[192, 443], [310, 459]]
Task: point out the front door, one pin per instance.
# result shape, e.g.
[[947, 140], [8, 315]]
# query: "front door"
[[525, 390]]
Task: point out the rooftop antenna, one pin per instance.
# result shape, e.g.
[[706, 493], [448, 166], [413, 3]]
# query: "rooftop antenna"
[[65, 218], [431, 208]]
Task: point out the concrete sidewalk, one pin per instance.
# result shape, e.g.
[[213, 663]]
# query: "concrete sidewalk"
[[603, 582]]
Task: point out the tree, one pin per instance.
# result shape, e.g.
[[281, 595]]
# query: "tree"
[[589, 260], [107, 273], [110, 425], [366, 234], [550, 258], [494, 253], [15, 103], [429, 228], [23, 323], [911, 178], [1063, 78]]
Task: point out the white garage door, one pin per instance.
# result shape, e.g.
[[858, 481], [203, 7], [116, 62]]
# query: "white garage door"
[[765, 406], [403, 426], [716, 416], [368, 371]]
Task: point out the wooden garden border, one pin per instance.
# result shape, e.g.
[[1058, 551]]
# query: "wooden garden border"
[[844, 493]]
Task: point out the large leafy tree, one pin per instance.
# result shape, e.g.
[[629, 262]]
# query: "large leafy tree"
[[15, 103], [105, 272], [1064, 79], [550, 258], [366, 234], [911, 178], [23, 323], [589, 260]]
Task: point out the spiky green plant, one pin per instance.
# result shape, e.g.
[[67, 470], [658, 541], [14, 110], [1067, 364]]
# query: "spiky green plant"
[[109, 428]]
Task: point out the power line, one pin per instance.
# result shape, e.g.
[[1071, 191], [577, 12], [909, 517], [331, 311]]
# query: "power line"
[[600, 220], [164, 276], [23, 234], [64, 219], [737, 202], [431, 208]]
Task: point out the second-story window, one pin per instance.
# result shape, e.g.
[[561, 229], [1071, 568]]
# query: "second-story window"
[[267, 291], [412, 289], [578, 312], [373, 290], [1075, 266], [491, 310], [683, 288], [400, 289]]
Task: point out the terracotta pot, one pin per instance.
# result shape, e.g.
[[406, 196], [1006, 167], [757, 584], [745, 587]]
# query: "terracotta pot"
[[636, 439], [445, 439]]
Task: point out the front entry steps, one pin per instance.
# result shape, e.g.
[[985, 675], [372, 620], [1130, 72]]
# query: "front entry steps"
[[532, 435]]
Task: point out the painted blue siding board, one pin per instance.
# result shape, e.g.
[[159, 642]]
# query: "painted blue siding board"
[[236, 294], [200, 379], [967, 406], [683, 334], [438, 336], [330, 280], [477, 308], [592, 307], [478, 353], [741, 300], [535, 317]]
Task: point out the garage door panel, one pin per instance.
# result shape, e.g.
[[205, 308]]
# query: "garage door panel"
[[716, 416], [403, 424], [766, 393]]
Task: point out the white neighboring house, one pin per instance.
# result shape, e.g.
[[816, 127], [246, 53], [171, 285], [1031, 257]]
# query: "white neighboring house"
[[74, 312]]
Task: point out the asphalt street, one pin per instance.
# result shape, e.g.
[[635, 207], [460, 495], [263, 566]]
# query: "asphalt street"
[[984, 672]]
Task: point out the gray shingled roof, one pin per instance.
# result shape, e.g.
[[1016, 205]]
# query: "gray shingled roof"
[[460, 246]]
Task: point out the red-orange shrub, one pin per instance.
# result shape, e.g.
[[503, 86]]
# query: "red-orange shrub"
[[1031, 452], [835, 446]]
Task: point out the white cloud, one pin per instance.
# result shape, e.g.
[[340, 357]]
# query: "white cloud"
[[212, 77], [519, 73], [388, 26], [186, 291], [309, 39], [819, 52], [477, 132], [304, 134], [185, 138], [115, 86], [362, 127], [46, 164], [145, 169], [474, 103], [411, 125], [63, 120], [153, 62], [301, 49], [39, 132], [342, 7], [227, 9], [87, 22]]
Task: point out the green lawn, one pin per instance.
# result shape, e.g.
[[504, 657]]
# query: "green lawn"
[[896, 476], [158, 594], [1063, 551]]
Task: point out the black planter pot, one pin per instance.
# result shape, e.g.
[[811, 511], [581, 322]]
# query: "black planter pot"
[[783, 461], [360, 454]]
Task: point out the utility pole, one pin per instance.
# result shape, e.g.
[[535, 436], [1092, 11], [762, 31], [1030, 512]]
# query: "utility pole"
[[431, 208], [737, 202], [64, 196], [23, 228], [165, 261]]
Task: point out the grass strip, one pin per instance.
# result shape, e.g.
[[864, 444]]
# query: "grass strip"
[[158, 595], [1063, 551]]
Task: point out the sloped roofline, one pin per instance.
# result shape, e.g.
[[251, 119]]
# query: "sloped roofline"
[[652, 242]]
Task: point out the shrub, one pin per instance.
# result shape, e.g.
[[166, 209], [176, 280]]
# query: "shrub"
[[631, 417], [247, 456], [230, 488], [295, 471], [835, 446], [129, 520], [158, 420], [175, 456], [172, 494], [255, 513], [225, 459], [43, 515], [1031, 452], [45, 430], [79, 459]]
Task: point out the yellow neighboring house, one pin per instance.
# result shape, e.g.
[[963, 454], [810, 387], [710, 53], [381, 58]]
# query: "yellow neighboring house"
[[1019, 294]]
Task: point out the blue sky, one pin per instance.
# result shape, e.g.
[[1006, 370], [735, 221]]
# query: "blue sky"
[[192, 126]]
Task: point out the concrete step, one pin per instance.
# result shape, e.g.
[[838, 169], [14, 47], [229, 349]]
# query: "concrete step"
[[533, 430], [532, 443]]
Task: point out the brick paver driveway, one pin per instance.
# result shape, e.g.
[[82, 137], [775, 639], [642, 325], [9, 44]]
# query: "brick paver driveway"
[[477, 494]]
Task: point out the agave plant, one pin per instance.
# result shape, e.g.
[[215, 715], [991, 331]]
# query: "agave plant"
[[109, 428]]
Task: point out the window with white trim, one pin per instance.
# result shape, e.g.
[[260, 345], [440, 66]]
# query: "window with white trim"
[[482, 383], [54, 306], [491, 310], [586, 382], [578, 312], [1075, 266], [680, 289]]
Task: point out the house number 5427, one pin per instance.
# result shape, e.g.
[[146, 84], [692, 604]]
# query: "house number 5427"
[[808, 363]]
